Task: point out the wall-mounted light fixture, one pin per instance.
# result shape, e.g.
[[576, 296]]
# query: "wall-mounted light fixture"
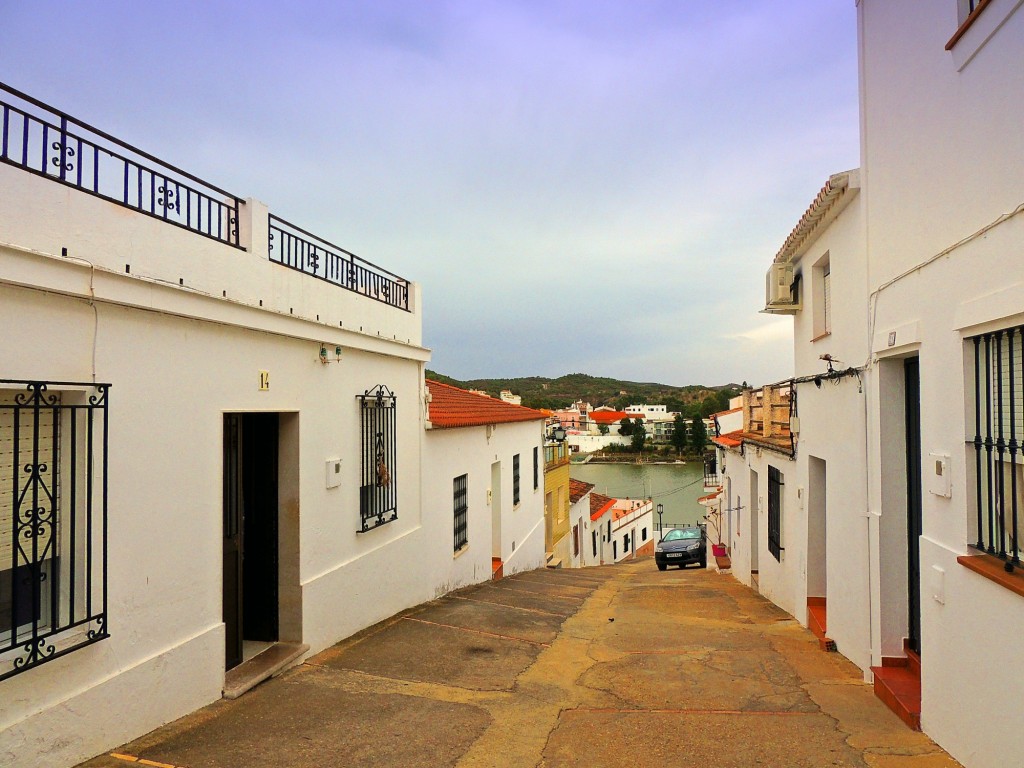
[[325, 359]]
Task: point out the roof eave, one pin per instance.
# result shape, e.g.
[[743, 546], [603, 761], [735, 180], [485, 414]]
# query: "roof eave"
[[838, 192]]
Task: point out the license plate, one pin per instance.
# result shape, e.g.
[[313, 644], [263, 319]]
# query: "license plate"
[[675, 554]]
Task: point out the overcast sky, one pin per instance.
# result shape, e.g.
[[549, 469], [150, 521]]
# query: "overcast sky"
[[583, 186]]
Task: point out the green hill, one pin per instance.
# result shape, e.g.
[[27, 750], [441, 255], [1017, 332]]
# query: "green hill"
[[540, 392]]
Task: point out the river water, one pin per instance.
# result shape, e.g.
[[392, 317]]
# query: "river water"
[[677, 486]]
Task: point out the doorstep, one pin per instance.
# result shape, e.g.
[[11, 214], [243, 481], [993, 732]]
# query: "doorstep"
[[817, 622], [898, 685], [260, 667]]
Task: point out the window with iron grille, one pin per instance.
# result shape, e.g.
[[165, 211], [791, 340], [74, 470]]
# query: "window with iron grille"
[[575, 541], [593, 542], [515, 479], [536, 472], [461, 511], [775, 483], [53, 521], [998, 425], [378, 496]]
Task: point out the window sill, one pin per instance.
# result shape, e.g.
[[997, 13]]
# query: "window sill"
[[978, 29], [962, 30], [992, 569], [460, 551], [821, 336]]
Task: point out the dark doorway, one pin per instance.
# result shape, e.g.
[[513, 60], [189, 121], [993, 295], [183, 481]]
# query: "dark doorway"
[[250, 531], [912, 379]]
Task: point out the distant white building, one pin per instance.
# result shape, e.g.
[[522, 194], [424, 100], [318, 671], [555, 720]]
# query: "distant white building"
[[649, 412], [506, 396]]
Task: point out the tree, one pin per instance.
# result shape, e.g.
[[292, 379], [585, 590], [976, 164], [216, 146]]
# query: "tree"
[[698, 434], [603, 429], [639, 435], [679, 433], [626, 426]]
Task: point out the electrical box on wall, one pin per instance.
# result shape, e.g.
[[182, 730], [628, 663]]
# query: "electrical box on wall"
[[937, 472], [333, 473]]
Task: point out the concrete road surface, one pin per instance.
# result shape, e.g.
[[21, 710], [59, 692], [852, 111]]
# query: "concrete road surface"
[[612, 666]]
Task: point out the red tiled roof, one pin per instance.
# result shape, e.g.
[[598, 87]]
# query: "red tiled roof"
[[578, 489], [609, 417], [726, 413], [710, 496], [599, 504], [454, 407], [730, 439]]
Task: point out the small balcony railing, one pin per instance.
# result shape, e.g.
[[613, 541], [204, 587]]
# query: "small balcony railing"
[[45, 141], [303, 251]]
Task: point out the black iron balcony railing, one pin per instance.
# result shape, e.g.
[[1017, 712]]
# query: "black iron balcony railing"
[[294, 247], [43, 140]]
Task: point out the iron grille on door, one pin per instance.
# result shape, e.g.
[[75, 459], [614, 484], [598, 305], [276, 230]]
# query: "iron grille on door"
[[775, 484], [461, 511], [378, 497], [53, 521], [998, 421]]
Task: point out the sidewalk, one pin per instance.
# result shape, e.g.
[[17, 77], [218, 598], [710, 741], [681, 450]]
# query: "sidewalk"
[[611, 666]]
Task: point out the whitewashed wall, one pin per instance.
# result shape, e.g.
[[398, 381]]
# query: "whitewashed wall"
[[941, 143], [832, 437], [449, 453], [178, 357]]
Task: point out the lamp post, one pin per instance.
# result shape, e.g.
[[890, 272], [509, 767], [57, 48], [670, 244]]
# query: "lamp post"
[[661, 530]]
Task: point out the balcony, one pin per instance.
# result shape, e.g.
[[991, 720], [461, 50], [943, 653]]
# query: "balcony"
[[49, 144], [555, 455]]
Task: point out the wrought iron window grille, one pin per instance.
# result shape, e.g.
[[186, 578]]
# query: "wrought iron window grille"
[[44, 141], [515, 480], [998, 420], [461, 508], [536, 468], [378, 495], [295, 248], [775, 484], [53, 520]]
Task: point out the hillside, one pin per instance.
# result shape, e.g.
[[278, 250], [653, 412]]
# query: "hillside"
[[540, 392]]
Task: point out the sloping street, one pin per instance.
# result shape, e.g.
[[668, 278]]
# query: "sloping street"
[[611, 666]]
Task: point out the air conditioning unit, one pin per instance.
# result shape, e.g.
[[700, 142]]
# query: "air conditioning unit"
[[779, 290]]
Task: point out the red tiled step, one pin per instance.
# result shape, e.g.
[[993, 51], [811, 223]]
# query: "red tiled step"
[[817, 622], [496, 566], [898, 685]]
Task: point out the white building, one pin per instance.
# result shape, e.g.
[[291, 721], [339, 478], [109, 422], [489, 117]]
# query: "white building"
[[506, 396], [212, 443], [486, 457], [649, 412], [907, 275], [585, 540], [762, 519]]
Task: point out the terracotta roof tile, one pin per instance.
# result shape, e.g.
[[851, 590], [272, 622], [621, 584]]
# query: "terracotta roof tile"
[[454, 407], [599, 504], [609, 417], [578, 489]]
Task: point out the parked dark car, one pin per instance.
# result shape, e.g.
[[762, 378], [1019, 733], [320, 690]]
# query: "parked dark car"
[[682, 546]]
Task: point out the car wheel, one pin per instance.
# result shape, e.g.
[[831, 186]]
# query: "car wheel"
[[703, 562], [662, 566]]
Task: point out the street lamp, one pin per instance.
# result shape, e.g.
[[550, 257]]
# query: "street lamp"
[[661, 532]]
